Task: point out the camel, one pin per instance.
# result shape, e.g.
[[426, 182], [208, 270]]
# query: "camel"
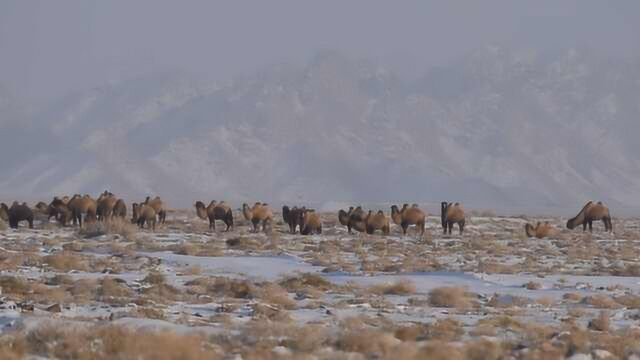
[[144, 213], [4, 212], [60, 210], [157, 205], [119, 209], [42, 211], [541, 230], [452, 214], [377, 221], [293, 217], [259, 213], [343, 216], [214, 212], [591, 212], [409, 216], [17, 213], [311, 222], [354, 219], [82, 205], [42, 207], [105, 204]]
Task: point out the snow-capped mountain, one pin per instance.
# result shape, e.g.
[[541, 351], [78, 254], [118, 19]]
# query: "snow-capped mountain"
[[500, 128]]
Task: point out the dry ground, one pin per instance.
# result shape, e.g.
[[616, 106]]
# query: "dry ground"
[[114, 291]]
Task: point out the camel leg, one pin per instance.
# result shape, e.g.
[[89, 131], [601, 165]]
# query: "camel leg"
[[213, 224], [450, 226], [584, 226], [461, 225], [404, 228], [590, 226]]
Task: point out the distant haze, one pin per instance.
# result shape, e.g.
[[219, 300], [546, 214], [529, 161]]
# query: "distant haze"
[[507, 105], [52, 47]]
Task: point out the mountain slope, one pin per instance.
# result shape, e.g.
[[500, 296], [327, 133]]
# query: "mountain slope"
[[500, 128]]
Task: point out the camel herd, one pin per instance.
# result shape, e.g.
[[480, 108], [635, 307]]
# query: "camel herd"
[[82, 209]]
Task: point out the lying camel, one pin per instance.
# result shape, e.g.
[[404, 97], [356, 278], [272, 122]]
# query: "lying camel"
[[377, 221], [409, 216], [541, 230], [452, 214], [258, 214], [311, 222], [591, 212], [215, 212]]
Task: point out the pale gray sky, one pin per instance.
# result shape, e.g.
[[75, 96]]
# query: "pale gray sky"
[[49, 48]]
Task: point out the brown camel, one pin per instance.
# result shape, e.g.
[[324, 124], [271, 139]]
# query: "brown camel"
[[61, 211], [377, 221], [258, 214], [452, 214], [311, 222], [119, 209], [159, 207], [105, 204], [409, 216], [591, 212], [354, 219], [143, 213], [541, 230], [215, 211], [82, 205]]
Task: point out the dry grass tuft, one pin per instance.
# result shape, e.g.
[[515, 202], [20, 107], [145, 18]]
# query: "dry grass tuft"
[[223, 287], [117, 226], [400, 287], [115, 343], [600, 323], [14, 286], [66, 261], [483, 350], [439, 350], [532, 285], [601, 302], [451, 297], [374, 344], [274, 294], [304, 281], [572, 297]]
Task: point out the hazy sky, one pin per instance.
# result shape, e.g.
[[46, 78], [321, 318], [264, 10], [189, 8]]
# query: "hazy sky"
[[48, 48]]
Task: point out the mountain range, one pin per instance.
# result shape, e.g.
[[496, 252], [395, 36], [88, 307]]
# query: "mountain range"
[[499, 128]]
